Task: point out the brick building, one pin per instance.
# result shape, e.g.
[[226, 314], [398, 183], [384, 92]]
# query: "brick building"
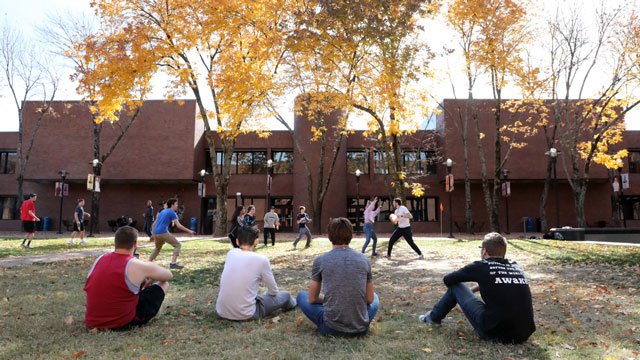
[[164, 151]]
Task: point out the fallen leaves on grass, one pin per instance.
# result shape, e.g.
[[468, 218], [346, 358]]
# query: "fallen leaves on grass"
[[68, 320], [78, 354], [276, 319], [299, 320], [427, 350]]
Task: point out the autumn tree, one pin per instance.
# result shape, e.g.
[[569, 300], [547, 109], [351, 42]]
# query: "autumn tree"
[[225, 53], [494, 34], [99, 63], [588, 113], [26, 75]]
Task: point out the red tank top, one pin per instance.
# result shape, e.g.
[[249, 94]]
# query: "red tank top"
[[110, 303]]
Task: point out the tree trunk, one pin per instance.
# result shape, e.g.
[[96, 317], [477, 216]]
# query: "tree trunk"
[[221, 182], [544, 196], [615, 200], [579, 196], [483, 172]]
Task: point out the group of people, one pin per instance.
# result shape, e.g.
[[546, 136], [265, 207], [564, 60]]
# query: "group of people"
[[245, 218], [123, 291]]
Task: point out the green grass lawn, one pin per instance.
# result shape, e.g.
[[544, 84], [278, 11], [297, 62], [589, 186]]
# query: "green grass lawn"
[[11, 247], [586, 301]]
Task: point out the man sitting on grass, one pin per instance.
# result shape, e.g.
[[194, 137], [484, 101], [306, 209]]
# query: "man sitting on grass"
[[114, 299], [349, 303], [238, 298], [506, 314]]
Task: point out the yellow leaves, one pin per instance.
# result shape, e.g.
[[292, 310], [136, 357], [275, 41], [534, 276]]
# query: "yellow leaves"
[[68, 320], [78, 354], [52, 276], [417, 189]]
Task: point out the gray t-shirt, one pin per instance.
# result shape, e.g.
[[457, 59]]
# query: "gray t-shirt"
[[270, 220], [344, 273]]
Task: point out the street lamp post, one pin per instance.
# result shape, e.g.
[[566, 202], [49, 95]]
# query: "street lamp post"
[[238, 198], [94, 164], [269, 179], [553, 154], [63, 176], [202, 193], [358, 173], [620, 165], [507, 191], [449, 164]]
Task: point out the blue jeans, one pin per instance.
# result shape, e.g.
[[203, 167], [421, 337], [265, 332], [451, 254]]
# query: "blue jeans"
[[315, 313], [472, 307], [369, 234]]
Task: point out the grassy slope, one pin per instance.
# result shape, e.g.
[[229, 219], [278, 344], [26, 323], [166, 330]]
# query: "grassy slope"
[[585, 297]]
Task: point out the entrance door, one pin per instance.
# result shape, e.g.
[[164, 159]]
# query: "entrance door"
[[208, 215], [284, 209]]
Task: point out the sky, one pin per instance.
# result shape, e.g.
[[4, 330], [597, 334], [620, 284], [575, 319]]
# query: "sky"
[[25, 14]]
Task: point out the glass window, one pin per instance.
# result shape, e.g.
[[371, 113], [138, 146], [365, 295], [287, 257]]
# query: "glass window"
[[357, 160], [9, 208], [259, 162], [379, 163], [8, 161], [282, 162], [634, 161], [419, 162], [245, 162]]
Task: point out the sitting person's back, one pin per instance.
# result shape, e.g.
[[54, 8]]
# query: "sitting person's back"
[[238, 298], [349, 303], [113, 287]]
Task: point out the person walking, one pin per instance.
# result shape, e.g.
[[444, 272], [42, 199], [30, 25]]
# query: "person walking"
[[302, 220], [402, 217], [271, 221], [162, 235], [369, 220], [78, 222], [29, 218], [148, 218]]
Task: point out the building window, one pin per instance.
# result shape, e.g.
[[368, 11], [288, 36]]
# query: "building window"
[[419, 162], [8, 162], [379, 163], [355, 211], [357, 160], [631, 207], [634, 161], [9, 209], [242, 162], [422, 209], [282, 162]]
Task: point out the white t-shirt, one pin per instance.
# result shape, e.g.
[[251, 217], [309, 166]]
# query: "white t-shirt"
[[239, 282], [402, 221]]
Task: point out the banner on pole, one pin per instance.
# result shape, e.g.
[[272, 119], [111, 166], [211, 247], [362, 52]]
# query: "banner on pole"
[[506, 189], [625, 181], [90, 182], [449, 183]]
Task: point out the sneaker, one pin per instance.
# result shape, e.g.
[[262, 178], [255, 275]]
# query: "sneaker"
[[71, 242], [29, 247], [421, 257], [23, 245], [426, 318], [175, 266], [374, 254], [388, 256], [83, 242]]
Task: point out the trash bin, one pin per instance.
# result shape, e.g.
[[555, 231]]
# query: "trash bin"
[[194, 224], [46, 223], [530, 225]]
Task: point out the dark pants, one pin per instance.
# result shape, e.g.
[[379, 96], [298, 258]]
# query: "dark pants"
[[472, 307], [148, 222], [301, 232], [270, 232], [406, 233]]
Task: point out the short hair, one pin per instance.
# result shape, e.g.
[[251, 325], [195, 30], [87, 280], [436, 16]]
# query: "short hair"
[[340, 231], [126, 237], [79, 201], [397, 201], [495, 244], [171, 201], [32, 195], [302, 208], [273, 208], [246, 236], [250, 207]]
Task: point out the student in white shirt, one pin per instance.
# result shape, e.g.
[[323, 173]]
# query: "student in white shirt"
[[402, 217], [238, 298]]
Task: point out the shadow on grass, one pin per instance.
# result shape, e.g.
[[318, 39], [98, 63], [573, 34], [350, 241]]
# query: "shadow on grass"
[[572, 253]]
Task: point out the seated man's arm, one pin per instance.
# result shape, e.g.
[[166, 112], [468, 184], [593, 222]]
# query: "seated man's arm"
[[314, 293], [369, 292], [470, 272], [269, 280]]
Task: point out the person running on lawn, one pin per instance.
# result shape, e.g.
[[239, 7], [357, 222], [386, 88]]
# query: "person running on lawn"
[[402, 216], [29, 218], [162, 235], [78, 222], [302, 220]]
